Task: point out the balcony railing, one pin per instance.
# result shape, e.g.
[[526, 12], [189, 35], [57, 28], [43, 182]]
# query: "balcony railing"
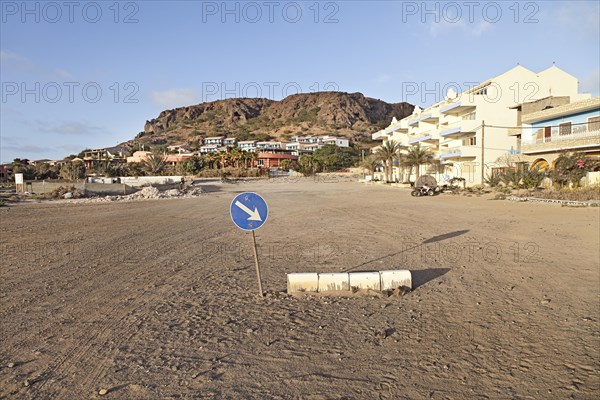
[[459, 151], [420, 138], [577, 132]]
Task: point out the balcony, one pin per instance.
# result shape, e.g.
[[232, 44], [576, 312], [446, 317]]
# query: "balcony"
[[388, 132], [458, 129], [458, 108], [460, 152], [426, 138], [580, 138]]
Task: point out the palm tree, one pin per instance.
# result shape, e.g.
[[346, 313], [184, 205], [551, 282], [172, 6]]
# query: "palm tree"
[[370, 163], [155, 163], [210, 159], [236, 157], [307, 165], [249, 158], [285, 164], [417, 156], [224, 157], [388, 152]]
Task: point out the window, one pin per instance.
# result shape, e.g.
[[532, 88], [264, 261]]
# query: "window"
[[469, 117], [471, 141], [593, 124], [564, 129]]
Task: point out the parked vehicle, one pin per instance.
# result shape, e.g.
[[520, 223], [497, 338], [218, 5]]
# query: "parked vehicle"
[[426, 185]]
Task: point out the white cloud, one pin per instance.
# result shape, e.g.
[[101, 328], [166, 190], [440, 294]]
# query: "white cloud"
[[15, 61], [76, 128], [173, 98], [27, 148], [11, 61]]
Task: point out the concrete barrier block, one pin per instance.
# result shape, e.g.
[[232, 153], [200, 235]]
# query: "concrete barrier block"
[[365, 280], [393, 279], [303, 282], [331, 282]]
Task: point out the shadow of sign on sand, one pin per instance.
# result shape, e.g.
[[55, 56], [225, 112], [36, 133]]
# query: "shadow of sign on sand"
[[445, 236], [422, 276], [430, 240]]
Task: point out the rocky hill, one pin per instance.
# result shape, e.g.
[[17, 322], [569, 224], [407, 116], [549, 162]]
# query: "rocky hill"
[[337, 113]]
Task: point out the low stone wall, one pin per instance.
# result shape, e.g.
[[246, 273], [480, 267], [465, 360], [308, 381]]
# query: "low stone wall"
[[95, 188], [591, 203], [137, 181]]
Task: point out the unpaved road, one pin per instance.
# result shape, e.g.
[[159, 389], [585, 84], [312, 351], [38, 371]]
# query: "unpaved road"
[[157, 299]]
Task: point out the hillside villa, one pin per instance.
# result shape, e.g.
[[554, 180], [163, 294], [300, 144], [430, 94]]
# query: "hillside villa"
[[270, 154]]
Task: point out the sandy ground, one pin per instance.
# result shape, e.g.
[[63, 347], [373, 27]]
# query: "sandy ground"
[[158, 299]]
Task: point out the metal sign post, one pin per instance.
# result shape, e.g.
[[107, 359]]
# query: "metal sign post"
[[257, 265], [249, 211]]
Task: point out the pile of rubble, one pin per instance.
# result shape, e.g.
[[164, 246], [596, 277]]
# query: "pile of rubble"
[[152, 193]]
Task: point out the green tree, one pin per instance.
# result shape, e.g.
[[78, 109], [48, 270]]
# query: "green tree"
[[193, 165], [333, 158], [370, 163], [388, 152], [211, 159], [417, 156], [154, 164], [134, 169], [286, 164], [22, 167], [82, 153], [236, 156], [72, 171], [308, 165]]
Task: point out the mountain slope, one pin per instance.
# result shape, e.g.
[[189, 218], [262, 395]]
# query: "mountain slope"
[[348, 114]]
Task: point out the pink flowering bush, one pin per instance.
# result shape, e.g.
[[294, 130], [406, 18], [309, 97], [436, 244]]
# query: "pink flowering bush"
[[571, 167]]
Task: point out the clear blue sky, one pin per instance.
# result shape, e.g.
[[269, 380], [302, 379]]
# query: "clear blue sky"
[[164, 54]]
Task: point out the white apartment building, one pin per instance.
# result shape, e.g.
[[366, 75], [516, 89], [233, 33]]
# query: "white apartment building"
[[247, 145], [335, 140], [216, 140], [231, 142], [209, 148], [468, 132], [327, 139], [269, 145]]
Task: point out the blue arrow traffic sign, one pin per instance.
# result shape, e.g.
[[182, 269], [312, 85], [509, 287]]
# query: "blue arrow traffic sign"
[[249, 211]]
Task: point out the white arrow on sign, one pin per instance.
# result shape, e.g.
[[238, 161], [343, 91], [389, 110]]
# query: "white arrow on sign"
[[254, 215]]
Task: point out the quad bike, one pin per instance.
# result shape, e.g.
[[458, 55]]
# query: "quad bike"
[[426, 185], [423, 191]]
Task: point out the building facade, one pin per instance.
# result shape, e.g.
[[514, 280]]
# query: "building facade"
[[468, 132], [572, 127]]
